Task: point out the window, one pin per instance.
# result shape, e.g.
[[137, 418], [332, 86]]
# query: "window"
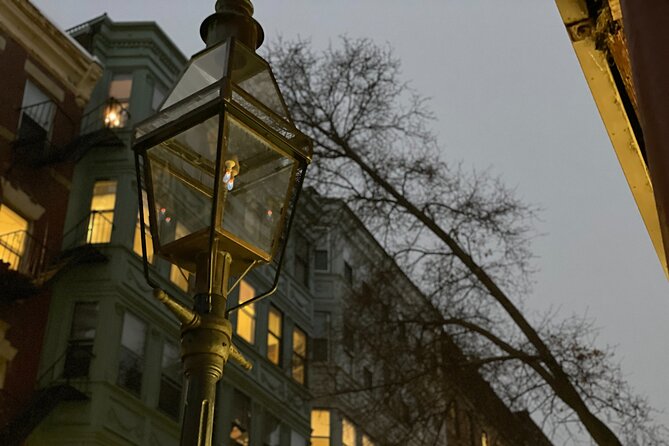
[[131, 363], [484, 439], [116, 113], [302, 260], [38, 112], [137, 240], [7, 352], [274, 321], [82, 335], [321, 260], [13, 231], [241, 420], [453, 418], [169, 398], [101, 220], [271, 431], [348, 273], [320, 427], [347, 432], [299, 363], [366, 441], [368, 377], [158, 97], [321, 342], [179, 277], [297, 439], [246, 316]]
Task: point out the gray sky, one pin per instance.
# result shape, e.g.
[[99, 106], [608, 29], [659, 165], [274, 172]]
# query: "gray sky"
[[508, 95]]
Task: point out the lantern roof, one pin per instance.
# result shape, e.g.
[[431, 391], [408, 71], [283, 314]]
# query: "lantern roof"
[[245, 69]]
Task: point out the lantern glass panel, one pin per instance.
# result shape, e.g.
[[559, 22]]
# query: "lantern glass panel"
[[253, 74], [204, 69], [254, 206], [182, 173]]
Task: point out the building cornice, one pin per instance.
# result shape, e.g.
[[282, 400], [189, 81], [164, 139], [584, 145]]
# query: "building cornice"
[[46, 44]]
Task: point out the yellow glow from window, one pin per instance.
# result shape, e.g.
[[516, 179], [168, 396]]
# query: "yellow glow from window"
[[274, 335], [177, 277], [246, 316], [13, 229], [299, 362], [320, 423], [102, 212], [347, 432]]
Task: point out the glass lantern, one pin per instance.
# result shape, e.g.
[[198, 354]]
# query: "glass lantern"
[[222, 162]]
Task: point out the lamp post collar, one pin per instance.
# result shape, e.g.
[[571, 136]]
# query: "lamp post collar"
[[233, 18]]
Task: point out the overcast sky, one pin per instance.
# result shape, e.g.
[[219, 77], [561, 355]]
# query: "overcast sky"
[[509, 96]]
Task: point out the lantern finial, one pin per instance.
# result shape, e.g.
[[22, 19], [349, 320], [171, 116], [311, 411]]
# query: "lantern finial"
[[233, 18]]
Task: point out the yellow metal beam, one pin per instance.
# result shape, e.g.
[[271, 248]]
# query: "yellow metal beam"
[[609, 103]]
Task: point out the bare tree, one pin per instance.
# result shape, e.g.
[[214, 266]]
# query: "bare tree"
[[462, 236]]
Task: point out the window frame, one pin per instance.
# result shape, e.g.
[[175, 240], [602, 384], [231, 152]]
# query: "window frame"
[[297, 358], [278, 337], [138, 358], [248, 312]]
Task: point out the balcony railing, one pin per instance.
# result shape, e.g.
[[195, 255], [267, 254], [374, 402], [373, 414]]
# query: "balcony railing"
[[111, 114], [94, 229], [34, 143], [23, 253]]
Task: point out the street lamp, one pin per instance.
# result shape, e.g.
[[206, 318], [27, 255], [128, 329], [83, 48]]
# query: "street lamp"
[[222, 165]]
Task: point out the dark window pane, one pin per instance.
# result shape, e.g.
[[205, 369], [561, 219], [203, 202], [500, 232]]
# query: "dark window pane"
[[321, 260], [131, 354], [348, 273], [320, 349]]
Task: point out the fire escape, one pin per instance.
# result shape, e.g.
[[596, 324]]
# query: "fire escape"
[[28, 264]]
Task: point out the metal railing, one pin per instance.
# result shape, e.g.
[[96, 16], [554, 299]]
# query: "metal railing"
[[23, 253], [73, 363], [34, 142], [111, 114], [94, 229]]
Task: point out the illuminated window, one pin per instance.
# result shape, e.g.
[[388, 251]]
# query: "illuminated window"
[[82, 335], [101, 219], [484, 439], [169, 398], [366, 441], [116, 112], [131, 363], [299, 362], [347, 432], [137, 240], [13, 231], [274, 320], [179, 277], [320, 427], [241, 420], [246, 316]]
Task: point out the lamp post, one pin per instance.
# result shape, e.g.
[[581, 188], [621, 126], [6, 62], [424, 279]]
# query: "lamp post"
[[222, 165]]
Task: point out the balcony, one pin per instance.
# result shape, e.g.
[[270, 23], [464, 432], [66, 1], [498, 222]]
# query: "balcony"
[[26, 264], [36, 144]]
